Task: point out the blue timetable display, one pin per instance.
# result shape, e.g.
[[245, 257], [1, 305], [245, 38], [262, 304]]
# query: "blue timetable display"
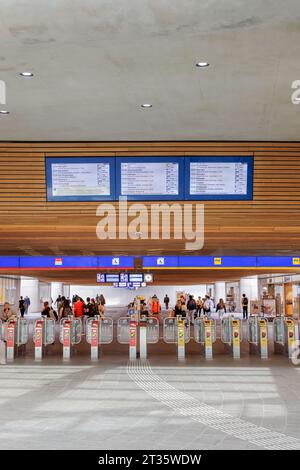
[[80, 179], [219, 178], [150, 178]]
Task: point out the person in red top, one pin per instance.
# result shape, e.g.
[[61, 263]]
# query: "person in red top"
[[78, 307]]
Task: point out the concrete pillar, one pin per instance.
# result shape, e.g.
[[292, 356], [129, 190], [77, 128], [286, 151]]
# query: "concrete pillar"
[[220, 291], [30, 287], [56, 290]]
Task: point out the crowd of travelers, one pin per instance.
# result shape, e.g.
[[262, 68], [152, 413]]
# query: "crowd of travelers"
[[187, 306]]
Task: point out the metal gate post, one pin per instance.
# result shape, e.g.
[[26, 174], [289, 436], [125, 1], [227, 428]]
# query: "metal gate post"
[[143, 338]]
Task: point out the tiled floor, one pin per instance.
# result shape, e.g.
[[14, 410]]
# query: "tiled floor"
[[82, 405]]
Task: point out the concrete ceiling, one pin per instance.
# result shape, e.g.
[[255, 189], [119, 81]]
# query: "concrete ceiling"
[[96, 61]]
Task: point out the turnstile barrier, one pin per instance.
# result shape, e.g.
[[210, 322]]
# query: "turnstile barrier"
[[105, 330], [170, 329], [70, 333], [15, 333], [128, 330], [258, 336], [205, 332], [284, 335], [231, 334], [98, 331], [43, 335], [176, 330]]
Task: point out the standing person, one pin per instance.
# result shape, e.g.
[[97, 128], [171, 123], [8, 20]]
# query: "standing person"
[[65, 309], [26, 303], [207, 306], [155, 306], [7, 313], [221, 308], [199, 305], [191, 307], [178, 308], [102, 299], [78, 307], [245, 302], [166, 301], [89, 308], [22, 306]]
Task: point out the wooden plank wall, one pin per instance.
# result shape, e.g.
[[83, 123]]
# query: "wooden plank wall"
[[30, 224]]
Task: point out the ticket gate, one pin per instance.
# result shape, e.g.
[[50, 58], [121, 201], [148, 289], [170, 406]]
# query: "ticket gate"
[[205, 334], [70, 332], [15, 333], [258, 336], [284, 336], [231, 335], [98, 331], [138, 334], [176, 330], [43, 335]]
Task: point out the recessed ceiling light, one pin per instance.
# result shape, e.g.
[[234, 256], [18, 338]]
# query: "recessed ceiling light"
[[26, 74], [3, 111], [202, 64], [146, 105]]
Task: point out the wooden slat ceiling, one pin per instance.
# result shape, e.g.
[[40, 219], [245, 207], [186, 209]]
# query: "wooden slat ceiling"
[[270, 224]]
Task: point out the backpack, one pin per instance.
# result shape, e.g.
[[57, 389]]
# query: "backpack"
[[155, 307], [67, 311], [245, 301], [191, 305]]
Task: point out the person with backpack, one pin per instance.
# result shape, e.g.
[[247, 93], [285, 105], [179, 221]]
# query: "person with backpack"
[[155, 306], [167, 301], [208, 305], [90, 308], [245, 302], [65, 309], [221, 308], [191, 308]]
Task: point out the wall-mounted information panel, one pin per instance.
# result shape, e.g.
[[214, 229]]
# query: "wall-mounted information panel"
[[208, 178], [150, 178], [80, 179]]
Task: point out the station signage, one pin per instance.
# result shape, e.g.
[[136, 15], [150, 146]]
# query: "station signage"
[[121, 278]]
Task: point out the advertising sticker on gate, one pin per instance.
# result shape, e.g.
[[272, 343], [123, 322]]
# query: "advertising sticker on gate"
[[38, 334], [94, 342], [236, 333], [132, 330], [67, 333], [208, 340], [263, 334], [11, 334], [180, 327]]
